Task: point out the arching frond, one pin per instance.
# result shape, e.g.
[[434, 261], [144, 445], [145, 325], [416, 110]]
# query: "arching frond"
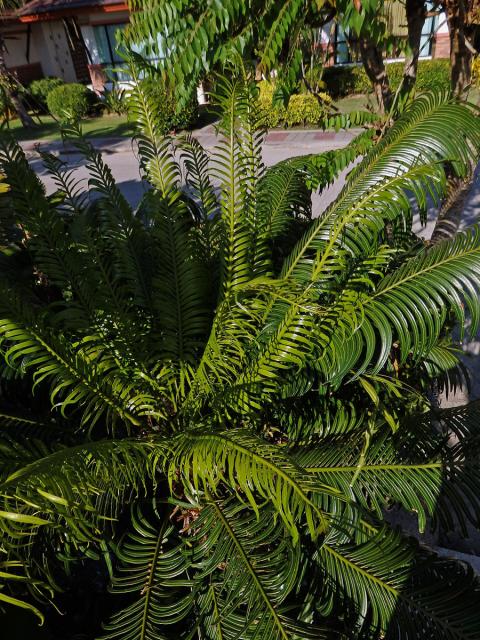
[[71, 190], [411, 304], [373, 191], [81, 487], [155, 567], [389, 588], [255, 468]]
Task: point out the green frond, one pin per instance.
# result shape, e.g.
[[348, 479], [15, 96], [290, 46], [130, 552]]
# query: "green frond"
[[228, 169], [406, 471], [26, 191], [412, 303], [388, 587], [81, 488], [11, 574], [255, 468], [375, 194], [197, 178], [73, 196], [122, 232], [78, 376], [155, 565], [352, 119], [180, 290], [154, 148], [248, 594]]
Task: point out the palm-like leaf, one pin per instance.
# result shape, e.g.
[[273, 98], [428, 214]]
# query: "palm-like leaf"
[[256, 409]]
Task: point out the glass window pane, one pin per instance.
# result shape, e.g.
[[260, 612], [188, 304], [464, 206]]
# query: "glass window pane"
[[342, 53], [114, 31], [102, 44]]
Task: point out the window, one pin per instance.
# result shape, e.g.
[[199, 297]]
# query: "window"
[[345, 47], [109, 50], [426, 39]]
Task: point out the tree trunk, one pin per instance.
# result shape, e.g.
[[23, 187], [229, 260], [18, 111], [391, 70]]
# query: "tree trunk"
[[12, 93], [453, 206], [415, 20], [460, 56], [375, 69]]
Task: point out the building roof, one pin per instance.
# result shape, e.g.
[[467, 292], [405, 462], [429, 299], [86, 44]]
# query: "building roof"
[[39, 7]]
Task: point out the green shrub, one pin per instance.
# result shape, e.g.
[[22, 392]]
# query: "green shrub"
[[69, 102], [39, 90], [165, 102], [115, 101], [228, 395], [476, 71], [431, 74], [303, 109], [343, 81]]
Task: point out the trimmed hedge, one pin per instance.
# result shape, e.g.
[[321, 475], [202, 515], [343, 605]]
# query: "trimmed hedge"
[[69, 102], [39, 90], [166, 105], [303, 109], [347, 80]]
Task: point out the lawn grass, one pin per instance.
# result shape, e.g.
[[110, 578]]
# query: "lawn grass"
[[359, 102], [107, 126]]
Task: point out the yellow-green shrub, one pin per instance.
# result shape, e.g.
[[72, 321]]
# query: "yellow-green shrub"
[[303, 109], [476, 71]]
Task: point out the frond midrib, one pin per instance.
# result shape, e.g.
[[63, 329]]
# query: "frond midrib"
[[249, 567]]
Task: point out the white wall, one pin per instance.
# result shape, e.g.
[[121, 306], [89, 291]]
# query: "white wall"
[[17, 46], [56, 57], [442, 23]]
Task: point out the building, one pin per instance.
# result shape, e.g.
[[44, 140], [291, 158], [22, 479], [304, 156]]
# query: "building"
[[70, 39], [76, 39], [434, 42]]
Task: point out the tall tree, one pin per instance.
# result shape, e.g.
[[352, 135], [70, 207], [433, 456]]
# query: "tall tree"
[[200, 35], [416, 14], [460, 51], [372, 58]]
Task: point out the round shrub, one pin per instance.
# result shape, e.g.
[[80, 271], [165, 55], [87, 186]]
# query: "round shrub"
[[303, 109], [39, 90], [163, 99], [69, 102]]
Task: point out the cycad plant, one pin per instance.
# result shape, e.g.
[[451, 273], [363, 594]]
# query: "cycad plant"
[[223, 397]]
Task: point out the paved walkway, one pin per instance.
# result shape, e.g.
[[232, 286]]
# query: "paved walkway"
[[120, 154], [298, 138]]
